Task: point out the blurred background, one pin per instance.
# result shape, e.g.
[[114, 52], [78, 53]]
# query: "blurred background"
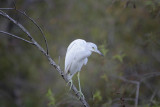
[[126, 31]]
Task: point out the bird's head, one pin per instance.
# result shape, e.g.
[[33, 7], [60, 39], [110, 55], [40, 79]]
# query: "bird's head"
[[93, 47]]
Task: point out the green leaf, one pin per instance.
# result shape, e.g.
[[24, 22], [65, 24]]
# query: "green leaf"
[[103, 50], [50, 97], [97, 96], [119, 57], [104, 77]]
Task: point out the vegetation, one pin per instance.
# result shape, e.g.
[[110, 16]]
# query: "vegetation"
[[127, 32]]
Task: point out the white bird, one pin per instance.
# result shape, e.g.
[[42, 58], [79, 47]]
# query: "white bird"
[[76, 56]]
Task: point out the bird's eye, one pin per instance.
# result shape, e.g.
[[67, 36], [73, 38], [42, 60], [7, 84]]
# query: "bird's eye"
[[93, 48]]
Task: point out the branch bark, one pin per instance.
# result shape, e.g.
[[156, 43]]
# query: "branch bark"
[[35, 43], [137, 83], [15, 36]]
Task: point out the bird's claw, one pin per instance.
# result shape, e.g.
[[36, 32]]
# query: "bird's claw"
[[70, 81], [81, 95]]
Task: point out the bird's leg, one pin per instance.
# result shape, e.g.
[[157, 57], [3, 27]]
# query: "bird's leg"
[[71, 83], [79, 81], [79, 85], [69, 77]]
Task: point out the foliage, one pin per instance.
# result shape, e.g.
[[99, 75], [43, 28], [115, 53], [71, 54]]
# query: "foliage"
[[127, 32], [119, 57], [51, 98], [97, 96]]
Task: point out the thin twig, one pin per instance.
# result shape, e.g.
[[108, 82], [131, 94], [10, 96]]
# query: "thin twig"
[[152, 97], [14, 3], [6, 8], [16, 23], [23, 13], [82, 99], [149, 75], [16, 36], [45, 40], [137, 83], [126, 80], [137, 94]]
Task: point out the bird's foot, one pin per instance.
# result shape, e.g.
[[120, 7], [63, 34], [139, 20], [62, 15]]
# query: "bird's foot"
[[81, 94], [71, 83]]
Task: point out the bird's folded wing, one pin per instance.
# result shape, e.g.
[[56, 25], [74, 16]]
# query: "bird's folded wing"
[[70, 56]]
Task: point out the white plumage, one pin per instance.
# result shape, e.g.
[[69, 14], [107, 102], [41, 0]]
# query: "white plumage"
[[77, 55]]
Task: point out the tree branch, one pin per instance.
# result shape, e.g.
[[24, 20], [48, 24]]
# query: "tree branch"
[[7, 8], [51, 61], [137, 83], [152, 97], [16, 36], [16, 23], [149, 75], [45, 40], [23, 13]]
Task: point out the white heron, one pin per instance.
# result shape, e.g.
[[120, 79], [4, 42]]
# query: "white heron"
[[76, 56]]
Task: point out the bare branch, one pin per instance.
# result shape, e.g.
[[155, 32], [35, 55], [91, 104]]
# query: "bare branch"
[[137, 83], [36, 26], [14, 3], [16, 36], [23, 13], [16, 23], [142, 79], [82, 99], [149, 75], [137, 94], [126, 80], [6, 8], [152, 97]]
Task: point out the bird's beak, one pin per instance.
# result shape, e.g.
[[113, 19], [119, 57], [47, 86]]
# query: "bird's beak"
[[99, 53]]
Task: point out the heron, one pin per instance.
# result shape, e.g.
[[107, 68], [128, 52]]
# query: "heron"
[[76, 56]]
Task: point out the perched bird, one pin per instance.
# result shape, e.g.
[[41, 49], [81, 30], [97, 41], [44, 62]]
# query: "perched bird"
[[76, 56]]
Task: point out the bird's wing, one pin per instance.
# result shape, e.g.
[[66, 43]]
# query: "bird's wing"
[[70, 55], [77, 42], [76, 56], [71, 52], [85, 61]]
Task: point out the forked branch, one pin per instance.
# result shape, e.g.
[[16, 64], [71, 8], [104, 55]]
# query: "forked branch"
[[16, 36], [137, 83], [34, 42]]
